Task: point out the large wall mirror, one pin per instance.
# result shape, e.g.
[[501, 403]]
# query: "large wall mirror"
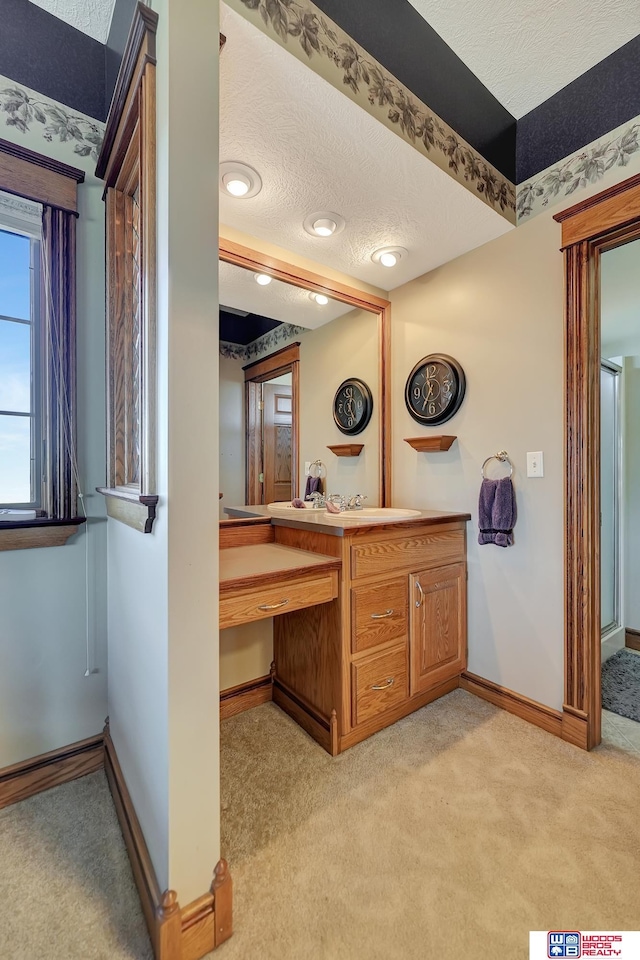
[[288, 340]]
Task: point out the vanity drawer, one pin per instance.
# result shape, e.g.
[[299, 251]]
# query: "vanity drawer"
[[379, 613], [378, 683], [267, 601], [415, 552]]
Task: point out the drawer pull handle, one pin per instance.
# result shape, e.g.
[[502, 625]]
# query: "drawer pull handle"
[[382, 616], [384, 686], [273, 606], [420, 599]]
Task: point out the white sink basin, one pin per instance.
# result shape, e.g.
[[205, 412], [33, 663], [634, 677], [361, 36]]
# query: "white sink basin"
[[286, 505], [377, 514]]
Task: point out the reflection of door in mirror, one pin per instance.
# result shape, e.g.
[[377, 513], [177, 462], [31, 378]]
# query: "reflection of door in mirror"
[[276, 439], [282, 326]]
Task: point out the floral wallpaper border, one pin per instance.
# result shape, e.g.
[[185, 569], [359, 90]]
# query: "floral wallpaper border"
[[26, 110], [613, 157], [237, 351], [313, 38]]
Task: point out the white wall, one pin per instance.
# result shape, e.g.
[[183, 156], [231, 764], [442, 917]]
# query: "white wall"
[[163, 636], [46, 702], [499, 311]]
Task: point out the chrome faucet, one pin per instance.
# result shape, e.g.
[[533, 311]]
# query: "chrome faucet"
[[318, 500], [347, 503]]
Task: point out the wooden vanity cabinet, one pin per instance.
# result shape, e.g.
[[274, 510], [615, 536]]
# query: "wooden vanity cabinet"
[[394, 639]]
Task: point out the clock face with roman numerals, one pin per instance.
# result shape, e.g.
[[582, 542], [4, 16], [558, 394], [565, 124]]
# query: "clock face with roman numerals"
[[352, 406], [435, 389]]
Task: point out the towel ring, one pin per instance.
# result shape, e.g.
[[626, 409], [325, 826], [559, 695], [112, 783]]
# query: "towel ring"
[[503, 457], [317, 469]]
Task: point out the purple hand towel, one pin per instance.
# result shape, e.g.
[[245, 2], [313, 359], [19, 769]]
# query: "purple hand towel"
[[497, 512], [314, 485]]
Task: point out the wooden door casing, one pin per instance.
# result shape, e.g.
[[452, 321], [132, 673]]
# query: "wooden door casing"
[[438, 632], [276, 442]]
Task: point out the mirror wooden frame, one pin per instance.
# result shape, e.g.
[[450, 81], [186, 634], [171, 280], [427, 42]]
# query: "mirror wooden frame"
[[589, 229], [250, 259]]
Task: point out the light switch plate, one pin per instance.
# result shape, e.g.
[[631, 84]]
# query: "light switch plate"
[[307, 467], [535, 464]]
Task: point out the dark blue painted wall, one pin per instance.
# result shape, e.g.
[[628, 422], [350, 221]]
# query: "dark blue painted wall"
[[599, 101], [46, 54], [403, 42]]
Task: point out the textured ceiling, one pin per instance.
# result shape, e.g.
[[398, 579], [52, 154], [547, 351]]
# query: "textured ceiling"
[[316, 150], [620, 300], [279, 301], [93, 17], [524, 51]]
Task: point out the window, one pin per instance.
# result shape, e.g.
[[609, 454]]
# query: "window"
[[127, 165], [20, 370], [38, 457]]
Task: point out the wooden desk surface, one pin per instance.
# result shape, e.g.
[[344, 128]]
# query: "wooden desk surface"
[[265, 563]]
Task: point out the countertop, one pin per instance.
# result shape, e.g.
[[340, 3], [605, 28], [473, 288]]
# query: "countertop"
[[264, 563], [336, 526]]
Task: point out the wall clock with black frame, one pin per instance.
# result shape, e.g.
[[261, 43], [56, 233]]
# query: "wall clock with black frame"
[[352, 406], [435, 389]]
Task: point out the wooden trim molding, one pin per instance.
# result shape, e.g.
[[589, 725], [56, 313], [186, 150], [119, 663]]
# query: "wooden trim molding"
[[26, 779], [38, 533], [249, 259], [140, 50], [176, 933], [632, 639], [608, 210], [29, 174], [127, 163], [268, 367], [588, 229], [244, 696], [515, 703], [134, 509]]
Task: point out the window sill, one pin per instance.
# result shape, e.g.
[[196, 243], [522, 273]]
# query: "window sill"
[[27, 534], [131, 507]]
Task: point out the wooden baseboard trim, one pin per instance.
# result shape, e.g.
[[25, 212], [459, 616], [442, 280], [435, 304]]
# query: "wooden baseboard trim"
[[632, 638], [516, 703], [23, 780], [244, 696], [176, 934], [575, 727], [304, 715]]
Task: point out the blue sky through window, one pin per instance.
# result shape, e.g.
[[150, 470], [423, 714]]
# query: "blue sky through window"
[[15, 368], [15, 293]]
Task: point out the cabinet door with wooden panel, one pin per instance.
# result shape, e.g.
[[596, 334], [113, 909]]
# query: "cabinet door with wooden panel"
[[438, 631]]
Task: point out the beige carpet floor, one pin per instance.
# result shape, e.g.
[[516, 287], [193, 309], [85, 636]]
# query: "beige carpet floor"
[[66, 889], [450, 835]]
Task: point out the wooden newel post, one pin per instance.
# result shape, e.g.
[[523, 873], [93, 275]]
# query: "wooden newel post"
[[169, 929], [222, 890]]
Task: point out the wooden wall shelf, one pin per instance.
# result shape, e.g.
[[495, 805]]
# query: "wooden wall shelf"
[[347, 449], [430, 444]]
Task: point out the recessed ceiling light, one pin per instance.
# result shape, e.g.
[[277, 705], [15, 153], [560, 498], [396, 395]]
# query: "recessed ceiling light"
[[324, 224], [239, 180], [263, 279], [319, 298], [389, 256]]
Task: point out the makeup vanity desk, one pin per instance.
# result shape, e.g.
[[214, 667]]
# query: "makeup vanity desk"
[[370, 618]]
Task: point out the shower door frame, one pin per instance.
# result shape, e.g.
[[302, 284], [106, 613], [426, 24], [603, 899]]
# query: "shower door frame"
[[589, 228]]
